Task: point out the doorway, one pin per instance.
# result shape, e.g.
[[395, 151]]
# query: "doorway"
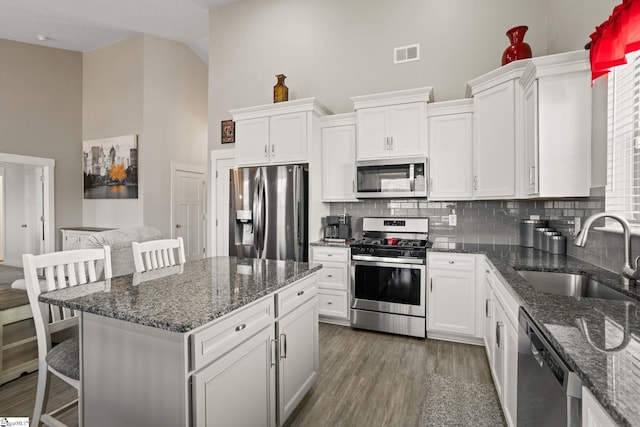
[[221, 162], [26, 207], [188, 219]]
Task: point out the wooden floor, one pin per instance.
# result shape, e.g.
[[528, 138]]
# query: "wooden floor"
[[375, 379], [366, 379]]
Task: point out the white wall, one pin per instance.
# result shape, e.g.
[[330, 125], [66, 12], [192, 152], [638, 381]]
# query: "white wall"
[[335, 49], [156, 89]]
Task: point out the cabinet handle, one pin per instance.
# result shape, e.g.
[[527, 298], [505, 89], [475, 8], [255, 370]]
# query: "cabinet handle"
[[498, 335], [532, 175], [266, 151], [486, 308], [475, 182], [273, 352], [452, 262], [273, 149], [300, 293], [329, 303], [241, 327], [329, 276], [353, 186], [283, 346], [431, 284], [390, 143]]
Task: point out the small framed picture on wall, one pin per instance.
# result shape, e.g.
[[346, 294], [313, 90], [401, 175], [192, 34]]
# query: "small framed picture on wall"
[[228, 132]]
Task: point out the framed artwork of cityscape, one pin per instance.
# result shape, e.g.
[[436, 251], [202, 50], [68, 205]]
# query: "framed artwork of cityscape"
[[110, 168]]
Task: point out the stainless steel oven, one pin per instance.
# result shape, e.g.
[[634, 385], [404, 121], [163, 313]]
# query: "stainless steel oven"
[[388, 276]]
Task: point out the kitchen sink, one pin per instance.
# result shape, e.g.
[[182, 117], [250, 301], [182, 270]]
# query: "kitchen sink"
[[572, 285]]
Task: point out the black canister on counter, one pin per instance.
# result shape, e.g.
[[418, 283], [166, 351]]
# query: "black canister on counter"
[[558, 244], [526, 230], [537, 236], [546, 235]]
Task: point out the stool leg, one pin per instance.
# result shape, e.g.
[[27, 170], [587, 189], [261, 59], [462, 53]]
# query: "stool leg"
[[42, 392]]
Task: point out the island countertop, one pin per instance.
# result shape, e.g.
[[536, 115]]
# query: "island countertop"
[[193, 295]]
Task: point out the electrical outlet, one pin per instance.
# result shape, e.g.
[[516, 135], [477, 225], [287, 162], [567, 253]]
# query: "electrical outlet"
[[576, 226], [453, 220], [534, 217]]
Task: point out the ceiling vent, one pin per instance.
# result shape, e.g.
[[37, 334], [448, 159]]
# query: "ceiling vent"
[[406, 54]]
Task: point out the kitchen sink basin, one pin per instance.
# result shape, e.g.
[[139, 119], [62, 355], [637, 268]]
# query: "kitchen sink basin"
[[572, 285]]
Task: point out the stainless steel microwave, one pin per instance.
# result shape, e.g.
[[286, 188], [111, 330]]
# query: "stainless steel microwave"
[[405, 177]]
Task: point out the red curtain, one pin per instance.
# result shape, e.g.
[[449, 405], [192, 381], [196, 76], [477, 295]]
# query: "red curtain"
[[617, 36]]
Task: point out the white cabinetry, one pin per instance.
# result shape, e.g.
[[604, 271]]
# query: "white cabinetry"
[[556, 159], [497, 99], [297, 327], [392, 124], [276, 133], [75, 238], [236, 360], [593, 415], [501, 338], [338, 157], [333, 283], [450, 127], [451, 298]]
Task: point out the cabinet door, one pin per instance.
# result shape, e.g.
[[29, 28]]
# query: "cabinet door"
[[593, 415], [530, 169], [298, 356], [450, 160], [451, 302], [510, 385], [407, 129], [494, 142], [488, 315], [288, 138], [338, 163], [498, 356], [252, 141], [238, 389], [372, 135]]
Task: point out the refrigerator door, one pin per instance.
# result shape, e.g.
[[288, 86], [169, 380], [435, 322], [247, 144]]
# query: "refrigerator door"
[[285, 224], [244, 215]]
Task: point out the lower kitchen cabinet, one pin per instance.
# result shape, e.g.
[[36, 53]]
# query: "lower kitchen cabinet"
[[593, 415], [333, 283], [298, 357], [501, 341], [241, 379], [451, 296]]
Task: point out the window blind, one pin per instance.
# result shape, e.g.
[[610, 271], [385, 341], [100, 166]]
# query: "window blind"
[[623, 140]]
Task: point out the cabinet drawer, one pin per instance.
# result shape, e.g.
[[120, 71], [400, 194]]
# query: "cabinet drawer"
[[211, 343], [330, 254], [294, 295], [452, 261], [334, 276], [333, 303]]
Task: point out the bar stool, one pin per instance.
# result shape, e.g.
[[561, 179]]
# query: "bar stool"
[[156, 254]]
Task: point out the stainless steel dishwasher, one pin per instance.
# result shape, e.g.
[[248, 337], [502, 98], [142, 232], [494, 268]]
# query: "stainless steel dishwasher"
[[549, 393]]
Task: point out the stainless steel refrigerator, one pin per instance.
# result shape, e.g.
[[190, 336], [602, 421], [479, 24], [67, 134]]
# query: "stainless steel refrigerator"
[[268, 212]]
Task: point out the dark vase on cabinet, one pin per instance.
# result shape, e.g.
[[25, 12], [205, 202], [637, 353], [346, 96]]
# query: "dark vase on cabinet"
[[518, 49]]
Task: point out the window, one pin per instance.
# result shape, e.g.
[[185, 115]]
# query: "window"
[[623, 140]]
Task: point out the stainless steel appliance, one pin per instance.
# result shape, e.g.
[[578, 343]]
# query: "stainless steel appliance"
[[338, 227], [392, 178], [388, 276], [549, 393], [268, 212]]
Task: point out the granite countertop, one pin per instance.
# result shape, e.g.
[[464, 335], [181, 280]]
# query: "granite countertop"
[[612, 375], [193, 295]]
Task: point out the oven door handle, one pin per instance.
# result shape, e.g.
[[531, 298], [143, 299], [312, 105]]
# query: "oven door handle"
[[403, 260]]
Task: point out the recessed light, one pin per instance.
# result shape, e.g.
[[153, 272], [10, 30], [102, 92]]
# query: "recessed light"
[[42, 38]]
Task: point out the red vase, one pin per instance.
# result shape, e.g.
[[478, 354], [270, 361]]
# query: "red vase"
[[518, 48]]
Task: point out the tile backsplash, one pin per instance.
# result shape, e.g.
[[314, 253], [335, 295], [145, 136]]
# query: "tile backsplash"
[[498, 222]]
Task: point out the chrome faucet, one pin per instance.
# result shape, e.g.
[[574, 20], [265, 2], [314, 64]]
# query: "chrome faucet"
[[628, 272]]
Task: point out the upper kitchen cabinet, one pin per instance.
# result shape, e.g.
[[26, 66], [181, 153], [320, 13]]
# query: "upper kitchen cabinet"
[[277, 133], [392, 124], [497, 98], [338, 157], [556, 156], [450, 127]]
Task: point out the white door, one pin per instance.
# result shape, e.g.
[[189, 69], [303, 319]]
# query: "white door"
[[288, 138], [221, 162], [189, 211], [407, 125], [452, 301]]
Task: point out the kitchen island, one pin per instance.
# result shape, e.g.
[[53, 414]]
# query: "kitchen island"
[[200, 344]]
